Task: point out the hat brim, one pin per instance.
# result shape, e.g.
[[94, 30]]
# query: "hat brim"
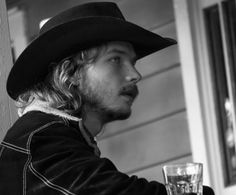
[[32, 65]]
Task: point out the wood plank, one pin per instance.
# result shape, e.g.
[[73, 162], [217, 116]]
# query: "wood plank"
[[159, 95], [147, 14], [149, 144]]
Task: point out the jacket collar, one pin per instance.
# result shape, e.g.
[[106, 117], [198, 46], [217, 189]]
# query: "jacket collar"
[[38, 105]]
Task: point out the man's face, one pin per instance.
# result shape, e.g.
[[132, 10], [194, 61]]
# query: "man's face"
[[109, 84]]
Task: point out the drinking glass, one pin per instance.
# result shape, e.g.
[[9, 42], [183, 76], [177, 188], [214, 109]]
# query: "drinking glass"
[[183, 179]]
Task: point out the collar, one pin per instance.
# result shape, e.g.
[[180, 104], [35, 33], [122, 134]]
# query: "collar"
[[43, 106]]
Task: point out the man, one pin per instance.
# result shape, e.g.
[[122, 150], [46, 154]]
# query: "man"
[[75, 77]]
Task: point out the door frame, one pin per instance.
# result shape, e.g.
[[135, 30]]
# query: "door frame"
[[199, 94]]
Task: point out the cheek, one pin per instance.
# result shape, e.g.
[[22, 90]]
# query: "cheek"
[[109, 77], [96, 74], [99, 86]]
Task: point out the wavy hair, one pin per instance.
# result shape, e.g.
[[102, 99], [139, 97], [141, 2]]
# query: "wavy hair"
[[61, 87]]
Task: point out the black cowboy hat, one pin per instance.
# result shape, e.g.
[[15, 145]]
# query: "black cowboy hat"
[[73, 30]]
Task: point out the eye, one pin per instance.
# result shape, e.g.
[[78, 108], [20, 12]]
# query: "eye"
[[116, 60]]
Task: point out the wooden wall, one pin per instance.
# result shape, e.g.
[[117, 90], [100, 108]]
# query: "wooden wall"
[[157, 131]]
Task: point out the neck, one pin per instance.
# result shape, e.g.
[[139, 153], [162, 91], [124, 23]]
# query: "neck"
[[93, 122]]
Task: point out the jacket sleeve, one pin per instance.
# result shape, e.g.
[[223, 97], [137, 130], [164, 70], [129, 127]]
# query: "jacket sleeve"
[[67, 164]]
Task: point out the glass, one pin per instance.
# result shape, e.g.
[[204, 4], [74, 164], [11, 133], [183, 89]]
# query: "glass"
[[183, 179]]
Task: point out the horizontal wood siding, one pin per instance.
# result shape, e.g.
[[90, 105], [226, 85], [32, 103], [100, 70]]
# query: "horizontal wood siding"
[[149, 144], [149, 14]]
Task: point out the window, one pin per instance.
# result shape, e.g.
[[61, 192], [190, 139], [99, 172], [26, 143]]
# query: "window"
[[220, 21]]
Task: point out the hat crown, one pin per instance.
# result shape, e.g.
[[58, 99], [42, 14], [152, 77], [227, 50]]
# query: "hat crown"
[[98, 9]]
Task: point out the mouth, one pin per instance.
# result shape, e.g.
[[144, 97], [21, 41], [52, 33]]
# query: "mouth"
[[130, 92]]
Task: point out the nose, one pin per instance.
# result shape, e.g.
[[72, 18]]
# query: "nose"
[[133, 75]]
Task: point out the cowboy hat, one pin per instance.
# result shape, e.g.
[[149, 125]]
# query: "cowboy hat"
[[73, 30]]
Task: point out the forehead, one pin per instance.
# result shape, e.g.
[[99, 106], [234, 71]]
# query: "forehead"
[[121, 47]]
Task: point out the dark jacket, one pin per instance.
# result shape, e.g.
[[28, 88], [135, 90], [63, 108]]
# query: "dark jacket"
[[49, 155]]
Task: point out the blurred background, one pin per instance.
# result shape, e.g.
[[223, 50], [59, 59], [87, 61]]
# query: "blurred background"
[[186, 108]]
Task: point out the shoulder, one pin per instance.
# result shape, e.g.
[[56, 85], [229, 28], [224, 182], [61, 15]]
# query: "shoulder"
[[32, 121], [36, 122]]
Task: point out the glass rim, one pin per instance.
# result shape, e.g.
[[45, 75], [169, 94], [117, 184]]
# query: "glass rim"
[[182, 164]]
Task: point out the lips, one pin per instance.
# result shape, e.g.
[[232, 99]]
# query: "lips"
[[129, 91]]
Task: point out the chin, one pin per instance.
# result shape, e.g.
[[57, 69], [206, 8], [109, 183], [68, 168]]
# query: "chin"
[[124, 116], [118, 115]]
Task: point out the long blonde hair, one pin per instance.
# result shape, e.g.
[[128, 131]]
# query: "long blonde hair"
[[60, 89]]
